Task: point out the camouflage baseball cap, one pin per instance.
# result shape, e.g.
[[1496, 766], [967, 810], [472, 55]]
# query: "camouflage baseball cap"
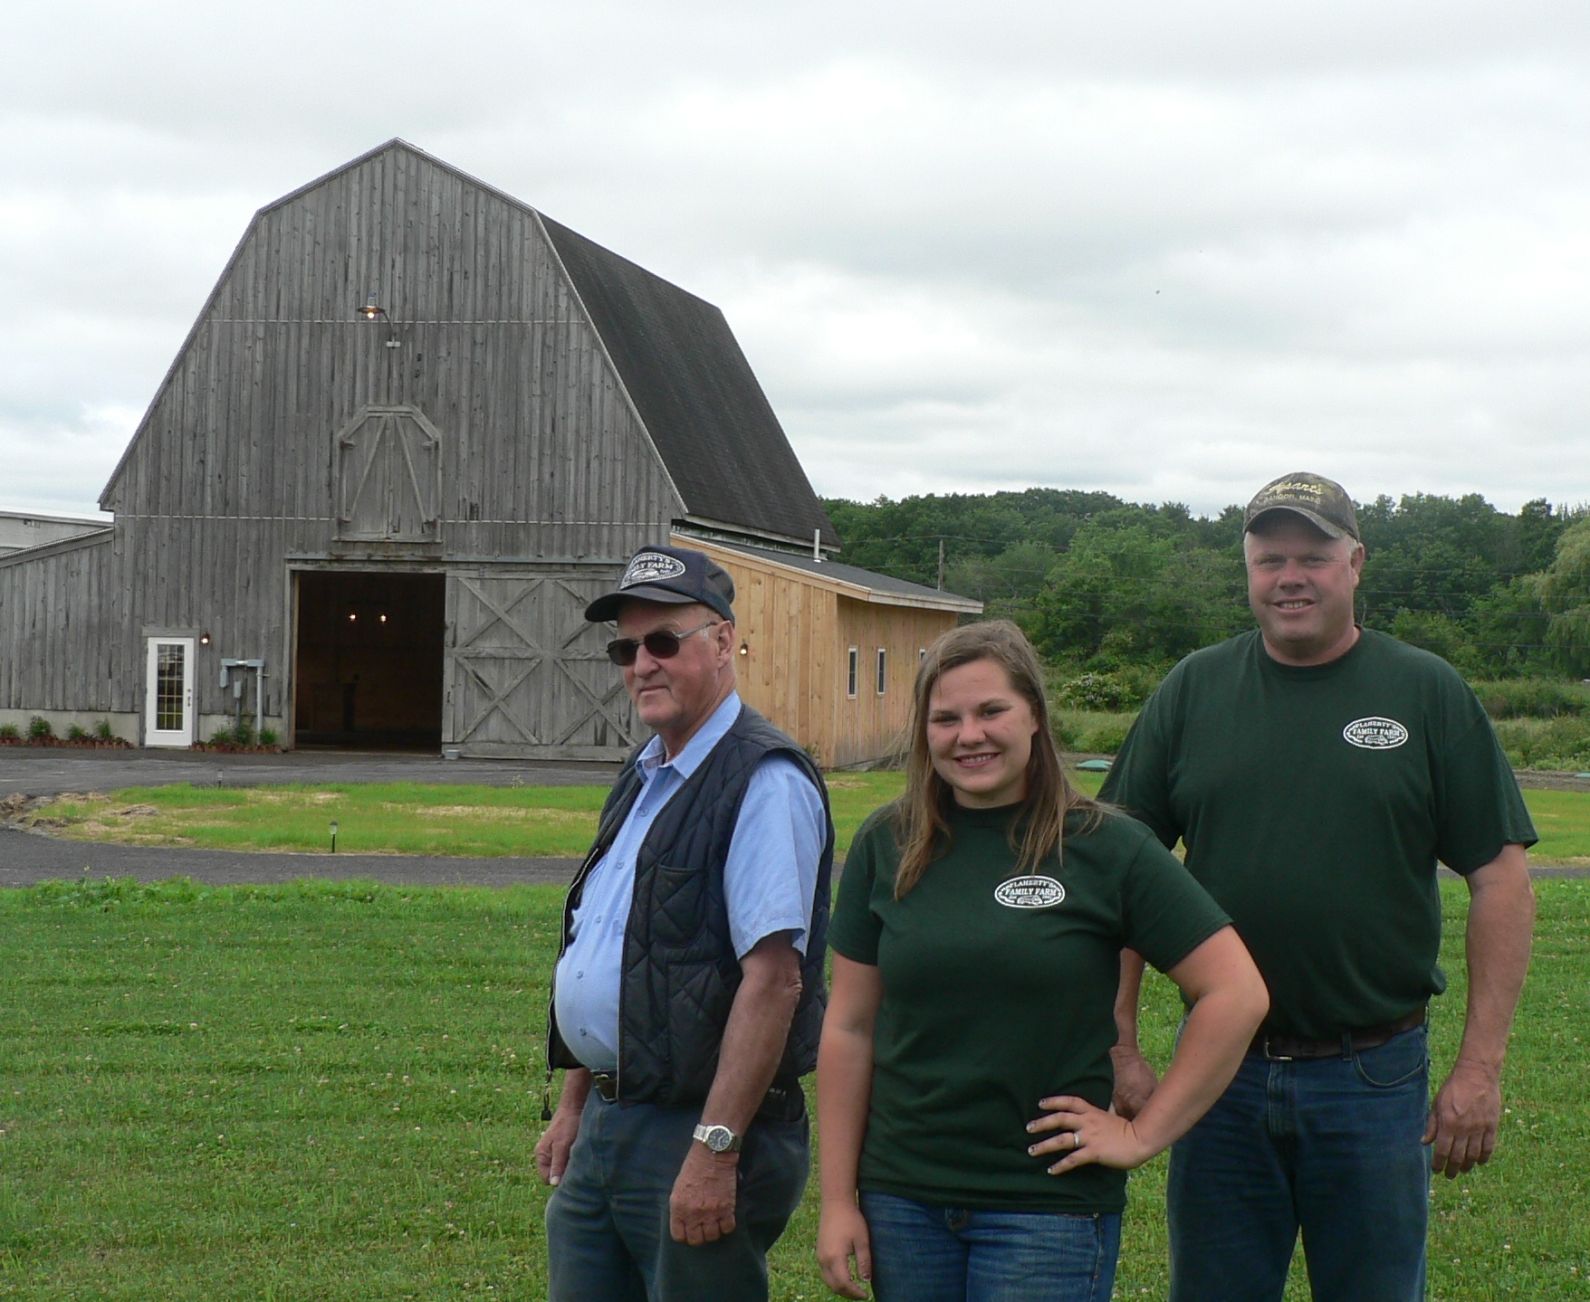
[[1322, 502]]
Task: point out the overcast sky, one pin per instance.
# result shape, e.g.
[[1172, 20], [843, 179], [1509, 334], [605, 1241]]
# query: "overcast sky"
[[1165, 250]]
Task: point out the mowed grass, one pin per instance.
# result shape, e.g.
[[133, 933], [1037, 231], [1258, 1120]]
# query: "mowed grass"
[[485, 822], [332, 1090]]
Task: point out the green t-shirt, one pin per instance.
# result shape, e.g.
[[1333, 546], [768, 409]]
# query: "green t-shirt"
[[1314, 803], [999, 990]]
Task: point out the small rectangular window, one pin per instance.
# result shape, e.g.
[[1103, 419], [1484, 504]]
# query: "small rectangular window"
[[855, 671], [883, 667]]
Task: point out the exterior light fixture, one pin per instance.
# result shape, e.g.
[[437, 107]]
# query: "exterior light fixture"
[[353, 617], [383, 618], [371, 310], [334, 836], [204, 638], [745, 648]]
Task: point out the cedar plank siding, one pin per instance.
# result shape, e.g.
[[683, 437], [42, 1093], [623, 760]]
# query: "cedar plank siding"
[[797, 630]]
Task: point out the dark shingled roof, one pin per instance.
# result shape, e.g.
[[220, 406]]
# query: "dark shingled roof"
[[883, 584], [696, 394]]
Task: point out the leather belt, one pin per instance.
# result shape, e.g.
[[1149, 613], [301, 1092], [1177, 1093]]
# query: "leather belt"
[[1279, 1047], [784, 1100]]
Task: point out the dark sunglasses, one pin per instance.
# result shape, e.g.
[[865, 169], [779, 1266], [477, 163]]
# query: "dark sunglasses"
[[660, 644]]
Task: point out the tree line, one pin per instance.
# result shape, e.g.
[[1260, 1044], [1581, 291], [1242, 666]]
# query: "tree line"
[[1103, 584]]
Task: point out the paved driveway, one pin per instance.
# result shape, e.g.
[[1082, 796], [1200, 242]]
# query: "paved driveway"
[[26, 858]]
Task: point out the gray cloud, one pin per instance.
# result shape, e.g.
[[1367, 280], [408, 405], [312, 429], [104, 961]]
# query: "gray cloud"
[[1167, 251]]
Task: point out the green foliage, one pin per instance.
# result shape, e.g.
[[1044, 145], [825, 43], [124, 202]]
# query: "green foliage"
[[39, 728], [103, 731], [1132, 591], [1096, 732], [1559, 743], [267, 737], [10, 732], [1538, 698], [1124, 688], [223, 736], [1565, 594], [243, 731], [76, 732]]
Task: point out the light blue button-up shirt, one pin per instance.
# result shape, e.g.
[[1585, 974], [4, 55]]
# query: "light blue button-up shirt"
[[769, 879]]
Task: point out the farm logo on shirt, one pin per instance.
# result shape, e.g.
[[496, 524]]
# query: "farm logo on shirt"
[[1375, 733], [1030, 893]]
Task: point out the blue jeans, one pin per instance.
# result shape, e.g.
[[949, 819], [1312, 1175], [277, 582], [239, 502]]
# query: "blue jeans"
[[927, 1253], [1331, 1146], [607, 1221]]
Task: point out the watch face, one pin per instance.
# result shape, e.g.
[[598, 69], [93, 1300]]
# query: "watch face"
[[720, 1139]]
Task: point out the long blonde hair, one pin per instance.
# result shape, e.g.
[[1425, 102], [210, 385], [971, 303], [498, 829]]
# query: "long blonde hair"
[[922, 812]]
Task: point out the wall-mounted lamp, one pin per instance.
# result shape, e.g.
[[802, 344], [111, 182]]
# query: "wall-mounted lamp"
[[204, 639], [383, 618], [745, 648], [372, 310], [353, 617]]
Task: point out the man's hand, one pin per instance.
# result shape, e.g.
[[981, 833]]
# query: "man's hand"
[[552, 1149], [1134, 1081], [701, 1207], [1464, 1119]]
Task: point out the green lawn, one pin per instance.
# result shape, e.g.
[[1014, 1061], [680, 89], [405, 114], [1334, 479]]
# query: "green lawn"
[[410, 818], [331, 1091]]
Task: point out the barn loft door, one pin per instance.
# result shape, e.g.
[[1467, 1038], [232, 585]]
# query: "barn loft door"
[[388, 477], [527, 675]]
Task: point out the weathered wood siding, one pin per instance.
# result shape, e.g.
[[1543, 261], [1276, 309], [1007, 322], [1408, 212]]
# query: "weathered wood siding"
[[527, 674], [59, 616], [232, 475]]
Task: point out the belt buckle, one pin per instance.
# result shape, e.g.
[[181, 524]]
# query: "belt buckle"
[[1274, 1057]]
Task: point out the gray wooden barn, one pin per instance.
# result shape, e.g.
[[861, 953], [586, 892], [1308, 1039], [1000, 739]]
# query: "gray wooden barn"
[[415, 428]]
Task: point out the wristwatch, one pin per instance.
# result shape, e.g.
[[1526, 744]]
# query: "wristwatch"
[[720, 1139]]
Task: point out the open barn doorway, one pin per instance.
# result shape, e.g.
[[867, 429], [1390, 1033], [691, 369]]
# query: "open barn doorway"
[[367, 669]]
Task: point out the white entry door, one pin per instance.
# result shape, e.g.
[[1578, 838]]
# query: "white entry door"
[[168, 692]]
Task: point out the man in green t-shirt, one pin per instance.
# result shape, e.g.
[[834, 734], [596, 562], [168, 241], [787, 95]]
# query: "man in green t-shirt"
[[1317, 772]]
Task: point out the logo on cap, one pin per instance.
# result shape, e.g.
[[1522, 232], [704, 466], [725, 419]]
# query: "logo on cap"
[[1375, 733], [651, 567]]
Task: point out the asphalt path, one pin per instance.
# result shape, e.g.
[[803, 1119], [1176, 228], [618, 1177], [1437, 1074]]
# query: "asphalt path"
[[27, 857]]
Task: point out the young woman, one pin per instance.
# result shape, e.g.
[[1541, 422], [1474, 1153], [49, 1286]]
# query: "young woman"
[[964, 1070]]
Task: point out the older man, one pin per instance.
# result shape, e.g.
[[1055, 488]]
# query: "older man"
[[688, 994], [1316, 772]]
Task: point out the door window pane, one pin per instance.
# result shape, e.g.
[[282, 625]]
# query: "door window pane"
[[169, 673]]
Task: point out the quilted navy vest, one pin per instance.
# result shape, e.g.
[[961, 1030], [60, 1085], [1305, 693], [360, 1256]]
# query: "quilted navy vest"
[[680, 974]]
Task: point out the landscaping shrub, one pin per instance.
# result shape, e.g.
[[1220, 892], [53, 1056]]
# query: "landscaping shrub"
[[267, 737], [103, 731], [1123, 688], [222, 737], [1093, 731], [1532, 698], [10, 732], [76, 732], [39, 728], [1560, 743]]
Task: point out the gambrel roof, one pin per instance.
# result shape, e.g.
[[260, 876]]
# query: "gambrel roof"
[[680, 368], [703, 407]]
